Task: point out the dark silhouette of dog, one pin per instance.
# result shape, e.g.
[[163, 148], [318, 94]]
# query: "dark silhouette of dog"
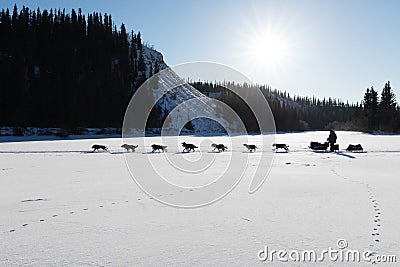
[[251, 148], [98, 147], [158, 148], [281, 146], [319, 146], [129, 147], [188, 147], [220, 147], [355, 148]]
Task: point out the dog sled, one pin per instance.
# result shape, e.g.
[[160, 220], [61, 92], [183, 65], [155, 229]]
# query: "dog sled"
[[355, 148], [317, 146]]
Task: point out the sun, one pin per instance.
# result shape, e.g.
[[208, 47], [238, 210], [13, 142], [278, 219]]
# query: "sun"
[[268, 49]]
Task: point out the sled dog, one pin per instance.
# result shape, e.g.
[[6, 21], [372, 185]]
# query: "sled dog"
[[97, 147], [251, 148], [220, 147], [160, 148], [129, 147], [188, 147], [281, 146]]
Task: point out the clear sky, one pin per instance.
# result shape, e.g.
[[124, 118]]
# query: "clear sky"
[[312, 47]]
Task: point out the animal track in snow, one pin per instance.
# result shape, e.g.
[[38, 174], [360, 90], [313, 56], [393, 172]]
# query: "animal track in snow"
[[33, 200], [70, 212], [375, 234], [53, 215]]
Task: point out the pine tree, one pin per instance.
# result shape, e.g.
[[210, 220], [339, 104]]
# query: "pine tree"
[[139, 44], [371, 109], [387, 109], [14, 15]]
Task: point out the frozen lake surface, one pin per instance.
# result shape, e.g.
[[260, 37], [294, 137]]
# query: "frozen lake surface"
[[62, 205]]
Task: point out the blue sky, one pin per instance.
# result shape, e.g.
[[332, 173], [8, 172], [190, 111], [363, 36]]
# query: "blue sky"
[[326, 48]]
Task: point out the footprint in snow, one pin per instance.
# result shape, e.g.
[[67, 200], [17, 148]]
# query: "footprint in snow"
[[33, 200], [375, 205], [56, 215]]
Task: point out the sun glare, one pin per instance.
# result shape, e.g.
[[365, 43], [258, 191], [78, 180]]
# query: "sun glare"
[[269, 47], [268, 50]]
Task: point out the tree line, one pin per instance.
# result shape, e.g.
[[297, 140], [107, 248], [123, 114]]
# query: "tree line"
[[379, 113], [291, 113], [61, 69]]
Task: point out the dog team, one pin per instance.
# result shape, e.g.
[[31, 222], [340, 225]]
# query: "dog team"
[[187, 148], [160, 148]]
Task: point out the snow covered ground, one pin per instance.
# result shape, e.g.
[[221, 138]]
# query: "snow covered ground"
[[62, 205]]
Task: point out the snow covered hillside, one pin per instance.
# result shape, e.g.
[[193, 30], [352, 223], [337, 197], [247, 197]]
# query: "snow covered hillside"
[[181, 101], [150, 56], [62, 205]]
